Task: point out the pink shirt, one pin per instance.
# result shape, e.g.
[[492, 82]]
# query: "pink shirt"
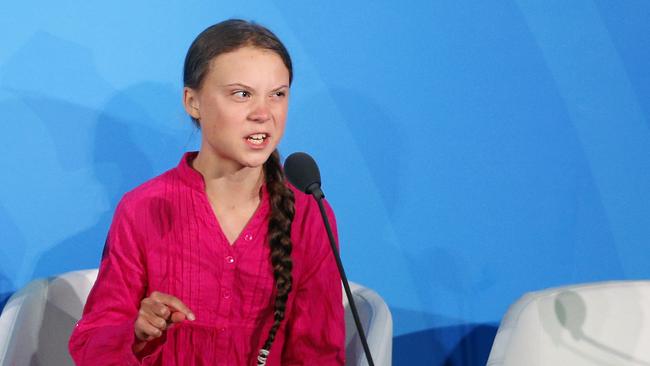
[[165, 237]]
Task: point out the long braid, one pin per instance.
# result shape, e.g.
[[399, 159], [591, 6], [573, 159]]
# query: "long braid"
[[279, 235]]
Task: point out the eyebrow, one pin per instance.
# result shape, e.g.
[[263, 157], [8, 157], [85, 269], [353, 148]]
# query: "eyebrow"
[[253, 89]]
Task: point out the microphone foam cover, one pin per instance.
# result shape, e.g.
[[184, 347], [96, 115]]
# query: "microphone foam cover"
[[301, 171]]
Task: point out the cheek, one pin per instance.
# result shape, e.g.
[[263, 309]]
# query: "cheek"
[[217, 107], [280, 113], [218, 112], [281, 122], [221, 117]]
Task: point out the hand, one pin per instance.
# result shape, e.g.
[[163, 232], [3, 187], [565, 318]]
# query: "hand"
[[158, 312]]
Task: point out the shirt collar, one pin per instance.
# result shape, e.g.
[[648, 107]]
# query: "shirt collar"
[[191, 177], [194, 179]]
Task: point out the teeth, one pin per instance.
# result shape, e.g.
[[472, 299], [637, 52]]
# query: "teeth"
[[257, 138]]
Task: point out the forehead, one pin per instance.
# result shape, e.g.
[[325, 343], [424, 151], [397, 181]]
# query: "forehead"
[[248, 63]]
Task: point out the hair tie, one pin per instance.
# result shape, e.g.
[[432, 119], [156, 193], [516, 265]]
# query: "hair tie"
[[261, 357]]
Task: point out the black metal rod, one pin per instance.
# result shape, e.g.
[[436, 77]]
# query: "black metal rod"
[[346, 285]]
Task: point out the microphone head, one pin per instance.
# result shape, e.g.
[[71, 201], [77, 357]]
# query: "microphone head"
[[301, 171]]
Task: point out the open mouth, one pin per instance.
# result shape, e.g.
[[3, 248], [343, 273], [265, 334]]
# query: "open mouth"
[[257, 139]]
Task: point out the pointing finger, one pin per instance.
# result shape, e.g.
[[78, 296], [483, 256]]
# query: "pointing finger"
[[175, 304]]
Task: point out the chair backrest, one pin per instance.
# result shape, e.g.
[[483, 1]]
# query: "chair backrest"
[[377, 324], [606, 323], [37, 321]]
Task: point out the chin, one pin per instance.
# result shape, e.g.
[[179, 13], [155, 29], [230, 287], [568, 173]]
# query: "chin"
[[255, 162]]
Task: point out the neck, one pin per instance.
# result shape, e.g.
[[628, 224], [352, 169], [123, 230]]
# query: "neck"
[[227, 180]]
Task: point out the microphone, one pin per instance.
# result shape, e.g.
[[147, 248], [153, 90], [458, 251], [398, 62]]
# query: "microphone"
[[301, 171]]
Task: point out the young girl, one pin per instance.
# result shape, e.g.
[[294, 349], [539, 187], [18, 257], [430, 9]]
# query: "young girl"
[[220, 261]]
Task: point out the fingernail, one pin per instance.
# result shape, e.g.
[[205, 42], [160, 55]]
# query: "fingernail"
[[191, 317]]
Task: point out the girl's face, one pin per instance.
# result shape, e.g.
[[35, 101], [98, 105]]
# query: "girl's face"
[[241, 106]]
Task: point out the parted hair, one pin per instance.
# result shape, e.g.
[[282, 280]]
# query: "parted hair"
[[224, 37]]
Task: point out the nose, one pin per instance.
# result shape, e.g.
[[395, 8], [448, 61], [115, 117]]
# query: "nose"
[[260, 112]]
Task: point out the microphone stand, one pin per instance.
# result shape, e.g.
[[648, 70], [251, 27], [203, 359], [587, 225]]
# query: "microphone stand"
[[315, 191]]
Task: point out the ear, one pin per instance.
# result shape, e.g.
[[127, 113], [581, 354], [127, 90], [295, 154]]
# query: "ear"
[[191, 102]]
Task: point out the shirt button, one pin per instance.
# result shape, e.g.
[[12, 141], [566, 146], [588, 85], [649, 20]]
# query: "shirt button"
[[226, 294], [230, 259], [222, 329], [248, 237]]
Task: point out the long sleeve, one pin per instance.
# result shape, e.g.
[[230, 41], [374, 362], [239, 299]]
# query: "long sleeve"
[[315, 332], [105, 334]]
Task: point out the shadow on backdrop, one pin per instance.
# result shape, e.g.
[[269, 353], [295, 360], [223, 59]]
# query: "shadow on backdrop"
[[461, 345], [13, 248], [105, 137], [6, 290], [119, 165]]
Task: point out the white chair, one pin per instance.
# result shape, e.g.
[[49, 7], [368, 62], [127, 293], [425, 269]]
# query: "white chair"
[[606, 323], [377, 324], [37, 321]]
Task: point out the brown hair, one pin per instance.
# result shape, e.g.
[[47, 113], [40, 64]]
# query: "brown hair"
[[225, 37]]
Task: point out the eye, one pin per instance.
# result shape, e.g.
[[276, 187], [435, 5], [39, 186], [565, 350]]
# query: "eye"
[[279, 94], [241, 94]]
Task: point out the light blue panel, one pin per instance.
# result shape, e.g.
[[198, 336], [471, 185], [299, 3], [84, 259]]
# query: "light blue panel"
[[472, 151], [600, 99]]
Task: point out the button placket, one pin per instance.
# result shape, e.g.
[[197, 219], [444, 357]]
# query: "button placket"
[[225, 304]]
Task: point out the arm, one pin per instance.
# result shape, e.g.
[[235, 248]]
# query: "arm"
[[105, 334], [315, 330]]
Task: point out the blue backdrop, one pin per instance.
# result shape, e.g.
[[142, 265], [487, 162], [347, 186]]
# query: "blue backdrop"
[[472, 150]]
